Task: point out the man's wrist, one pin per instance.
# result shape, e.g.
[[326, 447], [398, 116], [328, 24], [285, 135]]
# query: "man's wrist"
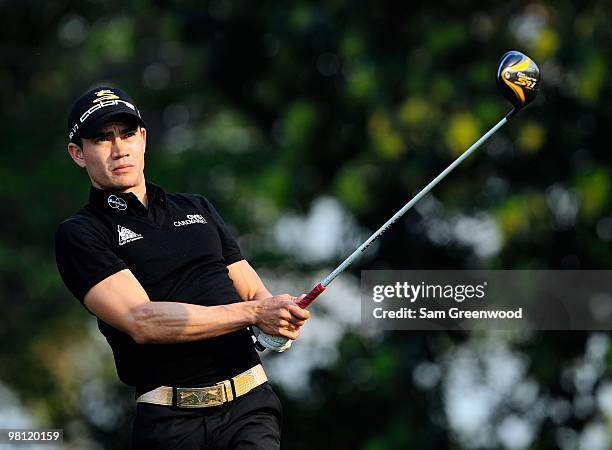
[[252, 310], [261, 294]]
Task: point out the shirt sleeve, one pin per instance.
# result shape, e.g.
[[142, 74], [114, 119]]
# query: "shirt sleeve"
[[230, 249], [84, 257]]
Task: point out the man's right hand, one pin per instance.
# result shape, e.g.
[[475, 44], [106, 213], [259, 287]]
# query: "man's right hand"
[[280, 316]]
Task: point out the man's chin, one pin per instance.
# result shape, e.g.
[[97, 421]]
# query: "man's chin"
[[121, 185]]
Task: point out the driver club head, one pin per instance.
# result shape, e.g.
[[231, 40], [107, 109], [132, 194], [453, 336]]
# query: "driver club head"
[[518, 78]]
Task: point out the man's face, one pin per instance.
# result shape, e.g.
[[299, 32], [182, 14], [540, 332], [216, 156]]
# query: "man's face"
[[114, 157]]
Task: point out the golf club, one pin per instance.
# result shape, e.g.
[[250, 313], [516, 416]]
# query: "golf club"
[[518, 78]]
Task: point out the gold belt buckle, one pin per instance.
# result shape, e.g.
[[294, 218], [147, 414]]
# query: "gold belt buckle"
[[200, 397]]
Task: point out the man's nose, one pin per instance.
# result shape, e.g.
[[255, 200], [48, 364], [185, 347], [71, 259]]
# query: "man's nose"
[[119, 148]]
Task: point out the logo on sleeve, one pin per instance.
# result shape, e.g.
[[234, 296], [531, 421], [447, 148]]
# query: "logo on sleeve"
[[126, 235], [117, 202], [191, 219]]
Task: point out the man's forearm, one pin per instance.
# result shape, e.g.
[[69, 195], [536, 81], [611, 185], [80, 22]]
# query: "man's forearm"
[[171, 322]]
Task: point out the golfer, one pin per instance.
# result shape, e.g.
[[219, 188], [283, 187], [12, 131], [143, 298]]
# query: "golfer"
[[171, 290]]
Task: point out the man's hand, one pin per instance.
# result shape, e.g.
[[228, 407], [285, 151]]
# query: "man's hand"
[[280, 316]]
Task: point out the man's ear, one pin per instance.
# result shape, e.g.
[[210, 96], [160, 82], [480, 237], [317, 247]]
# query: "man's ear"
[[143, 131], [76, 153]]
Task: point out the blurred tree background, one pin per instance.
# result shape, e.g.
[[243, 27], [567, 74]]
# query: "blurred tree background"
[[307, 124]]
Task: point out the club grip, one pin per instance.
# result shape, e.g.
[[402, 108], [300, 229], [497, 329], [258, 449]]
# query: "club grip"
[[311, 296]]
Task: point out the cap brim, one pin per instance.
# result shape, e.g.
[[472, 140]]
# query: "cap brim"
[[92, 128]]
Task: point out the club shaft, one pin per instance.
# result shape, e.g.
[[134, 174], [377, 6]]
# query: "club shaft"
[[348, 261], [319, 288]]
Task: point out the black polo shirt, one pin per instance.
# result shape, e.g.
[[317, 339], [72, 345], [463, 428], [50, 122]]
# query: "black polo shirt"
[[179, 249]]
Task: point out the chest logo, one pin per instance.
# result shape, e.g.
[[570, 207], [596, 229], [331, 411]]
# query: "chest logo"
[[191, 219], [126, 235], [117, 203]]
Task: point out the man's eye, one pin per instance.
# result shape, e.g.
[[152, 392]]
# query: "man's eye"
[[130, 134], [101, 139]]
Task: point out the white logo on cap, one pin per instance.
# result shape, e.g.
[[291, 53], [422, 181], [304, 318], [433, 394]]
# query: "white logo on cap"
[[117, 203], [105, 104]]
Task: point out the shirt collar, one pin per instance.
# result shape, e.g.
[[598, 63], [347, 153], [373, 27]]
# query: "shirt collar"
[[126, 202]]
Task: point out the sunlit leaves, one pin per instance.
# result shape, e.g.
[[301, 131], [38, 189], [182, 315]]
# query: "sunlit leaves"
[[591, 77], [594, 188], [228, 131], [415, 112], [301, 17], [531, 137], [386, 141], [361, 82], [446, 37], [110, 40], [522, 214], [463, 130], [352, 45], [351, 187], [274, 184], [546, 44], [363, 101], [297, 124]]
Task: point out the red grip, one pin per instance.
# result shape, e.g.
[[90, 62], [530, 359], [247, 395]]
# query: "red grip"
[[311, 296]]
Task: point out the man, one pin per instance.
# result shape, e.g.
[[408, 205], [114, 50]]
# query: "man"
[[171, 290]]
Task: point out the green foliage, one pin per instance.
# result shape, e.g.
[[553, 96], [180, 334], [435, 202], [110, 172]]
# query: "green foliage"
[[266, 106], [594, 188]]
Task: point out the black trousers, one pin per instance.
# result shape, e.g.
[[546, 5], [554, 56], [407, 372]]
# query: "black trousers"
[[252, 421]]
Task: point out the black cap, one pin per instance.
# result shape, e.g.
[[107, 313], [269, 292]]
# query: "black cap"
[[96, 107]]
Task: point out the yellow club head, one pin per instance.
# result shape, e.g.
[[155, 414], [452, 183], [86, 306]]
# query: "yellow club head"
[[518, 78]]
